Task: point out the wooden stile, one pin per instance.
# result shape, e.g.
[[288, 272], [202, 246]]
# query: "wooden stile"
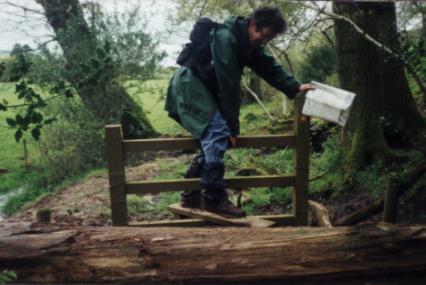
[[301, 163], [117, 146], [114, 145]]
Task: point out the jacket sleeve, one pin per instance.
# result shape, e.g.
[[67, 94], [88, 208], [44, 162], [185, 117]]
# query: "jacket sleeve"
[[266, 67], [227, 68]]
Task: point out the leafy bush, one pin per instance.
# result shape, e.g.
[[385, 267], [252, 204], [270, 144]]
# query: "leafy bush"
[[75, 142], [328, 166], [320, 63]]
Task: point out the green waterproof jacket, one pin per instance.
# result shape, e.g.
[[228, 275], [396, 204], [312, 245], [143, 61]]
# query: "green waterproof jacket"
[[192, 105]]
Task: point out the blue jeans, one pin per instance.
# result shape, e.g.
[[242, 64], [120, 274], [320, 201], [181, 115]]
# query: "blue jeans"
[[214, 142]]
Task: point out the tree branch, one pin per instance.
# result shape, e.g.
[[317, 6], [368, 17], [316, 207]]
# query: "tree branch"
[[258, 100], [24, 8], [329, 40], [202, 9], [282, 52], [376, 43]]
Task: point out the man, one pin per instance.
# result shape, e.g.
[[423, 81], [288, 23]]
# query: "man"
[[205, 99]]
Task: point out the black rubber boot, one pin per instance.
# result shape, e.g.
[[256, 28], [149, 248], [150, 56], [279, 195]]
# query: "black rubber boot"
[[212, 177], [214, 197], [196, 167], [192, 198]]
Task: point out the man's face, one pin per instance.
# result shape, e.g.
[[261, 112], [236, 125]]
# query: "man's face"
[[259, 36]]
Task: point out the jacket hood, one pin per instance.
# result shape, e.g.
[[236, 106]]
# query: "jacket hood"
[[239, 28]]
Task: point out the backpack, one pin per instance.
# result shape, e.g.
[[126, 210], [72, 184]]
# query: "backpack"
[[197, 52]]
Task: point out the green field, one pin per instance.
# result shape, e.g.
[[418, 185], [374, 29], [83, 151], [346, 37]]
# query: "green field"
[[151, 95]]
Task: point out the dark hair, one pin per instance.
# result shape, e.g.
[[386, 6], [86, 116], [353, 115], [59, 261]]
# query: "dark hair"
[[269, 17]]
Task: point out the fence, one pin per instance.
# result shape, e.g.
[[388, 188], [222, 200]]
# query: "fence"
[[298, 139]]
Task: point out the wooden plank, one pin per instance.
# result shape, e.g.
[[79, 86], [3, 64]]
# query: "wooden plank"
[[217, 219], [114, 137], [279, 220], [171, 223], [192, 144], [282, 220], [301, 163], [189, 184]]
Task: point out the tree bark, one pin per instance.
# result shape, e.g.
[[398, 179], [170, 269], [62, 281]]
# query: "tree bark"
[[402, 120], [108, 100], [196, 255], [383, 97]]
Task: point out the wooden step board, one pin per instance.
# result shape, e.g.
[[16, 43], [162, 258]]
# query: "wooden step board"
[[217, 219]]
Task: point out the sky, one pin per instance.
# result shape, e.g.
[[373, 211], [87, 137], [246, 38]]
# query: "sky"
[[30, 27], [27, 27]]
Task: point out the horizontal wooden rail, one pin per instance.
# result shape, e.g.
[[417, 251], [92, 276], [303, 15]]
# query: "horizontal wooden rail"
[[190, 184], [192, 144]]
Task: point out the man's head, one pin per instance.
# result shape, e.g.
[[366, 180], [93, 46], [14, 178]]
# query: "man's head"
[[264, 24]]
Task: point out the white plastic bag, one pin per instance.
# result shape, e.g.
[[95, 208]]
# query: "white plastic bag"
[[328, 103]]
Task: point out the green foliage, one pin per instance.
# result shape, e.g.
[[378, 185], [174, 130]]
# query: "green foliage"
[[319, 63], [2, 69], [134, 52], [19, 65], [328, 166], [75, 143], [28, 116], [137, 204], [7, 276], [260, 196], [373, 178], [413, 50], [165, 199]]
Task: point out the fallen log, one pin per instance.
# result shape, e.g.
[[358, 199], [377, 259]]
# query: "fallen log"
[[46, 254]]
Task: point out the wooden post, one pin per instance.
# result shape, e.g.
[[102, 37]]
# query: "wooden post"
[[390, 208], [114, 145], [301, 163]]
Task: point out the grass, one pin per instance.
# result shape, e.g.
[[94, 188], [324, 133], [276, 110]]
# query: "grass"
[[151, 95], [33, 188], [11, 152]]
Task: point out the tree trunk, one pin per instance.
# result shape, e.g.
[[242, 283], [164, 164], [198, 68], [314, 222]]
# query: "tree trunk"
[[107, 99], [383, 97], [225, 255], [402, 120]]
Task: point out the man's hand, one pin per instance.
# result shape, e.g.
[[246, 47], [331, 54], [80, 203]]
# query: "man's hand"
[[306, 87], [233, 141]]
